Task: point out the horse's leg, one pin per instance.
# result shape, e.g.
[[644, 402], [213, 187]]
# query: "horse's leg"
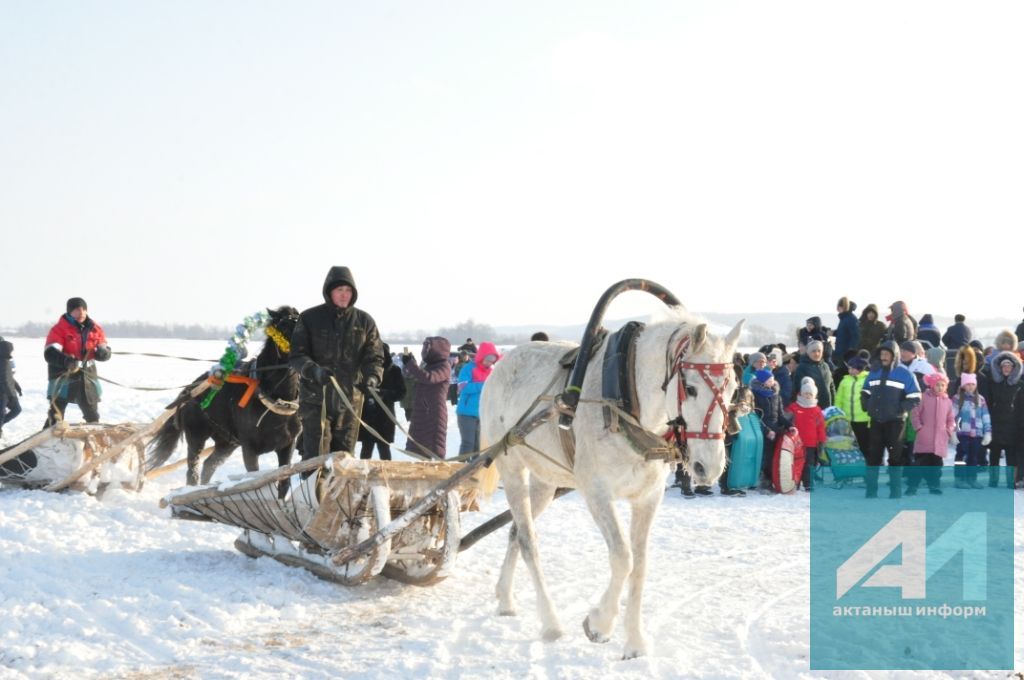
[[600, 621], [221, 451], [643, 512], [541, 495], [251, 459], [515, 478], [195, 438], [284, 459]]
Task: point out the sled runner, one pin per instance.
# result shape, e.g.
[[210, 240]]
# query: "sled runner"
[[333, 503]]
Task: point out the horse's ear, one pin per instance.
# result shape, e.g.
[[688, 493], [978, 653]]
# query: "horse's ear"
[[700, 335], [734, 334]]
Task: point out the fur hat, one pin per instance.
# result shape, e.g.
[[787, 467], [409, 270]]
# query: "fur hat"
[[815, 344], [755, 357], [776, 354], [844, 304], [1006, 338], [76, 302], [807, 386], [968, 379], [959, 318], [966, 361], [933, 379]]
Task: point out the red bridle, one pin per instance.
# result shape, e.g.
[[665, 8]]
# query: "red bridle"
[[707, 371]]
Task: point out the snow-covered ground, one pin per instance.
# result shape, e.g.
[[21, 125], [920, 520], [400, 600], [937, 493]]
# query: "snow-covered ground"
[[115, 588]]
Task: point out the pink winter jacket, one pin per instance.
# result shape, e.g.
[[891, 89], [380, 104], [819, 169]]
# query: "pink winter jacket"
[[933, 419]]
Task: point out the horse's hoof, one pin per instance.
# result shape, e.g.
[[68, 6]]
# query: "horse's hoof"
[[551, 634], [593, 635], [633, 651]]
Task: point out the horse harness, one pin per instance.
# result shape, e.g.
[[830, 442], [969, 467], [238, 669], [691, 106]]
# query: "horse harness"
[[621, 405]]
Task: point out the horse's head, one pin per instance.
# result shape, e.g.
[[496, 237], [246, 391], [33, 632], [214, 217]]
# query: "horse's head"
[[282, 323], [704, 381]]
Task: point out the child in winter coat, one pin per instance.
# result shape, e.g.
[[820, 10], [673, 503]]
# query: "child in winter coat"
[[471, 385], [848, 399], [974, 432], [935, 427], [810, 423], [774, 422], [10, 390]]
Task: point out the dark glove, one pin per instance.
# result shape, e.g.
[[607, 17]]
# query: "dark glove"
[[322, 375], [70, 364], [373, 382], [102, 353]]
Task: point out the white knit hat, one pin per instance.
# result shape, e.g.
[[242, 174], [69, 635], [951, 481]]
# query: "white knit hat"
[[808, 386]]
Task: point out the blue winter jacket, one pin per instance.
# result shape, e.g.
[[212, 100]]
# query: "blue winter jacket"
[[469, 397], [847, 334], [957, 336], [889, 393]]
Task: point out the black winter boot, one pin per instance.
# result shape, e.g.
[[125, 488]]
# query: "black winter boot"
[[678, 483], [684, 484]]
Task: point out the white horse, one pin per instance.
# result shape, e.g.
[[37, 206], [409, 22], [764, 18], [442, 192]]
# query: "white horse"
[[680, 371]]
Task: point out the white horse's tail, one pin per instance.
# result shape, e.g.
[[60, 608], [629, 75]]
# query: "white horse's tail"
[[489, 478]]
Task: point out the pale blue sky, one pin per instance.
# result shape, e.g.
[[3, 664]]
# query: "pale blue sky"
[[194, 161]]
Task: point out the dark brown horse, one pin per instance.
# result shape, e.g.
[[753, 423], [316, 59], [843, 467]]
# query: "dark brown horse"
[[256, 428]]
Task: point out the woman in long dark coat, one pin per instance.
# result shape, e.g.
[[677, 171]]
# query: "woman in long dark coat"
[[429, 425], [392, 389]]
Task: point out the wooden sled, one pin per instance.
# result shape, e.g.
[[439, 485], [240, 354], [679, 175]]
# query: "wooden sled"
[[86, 457], [334, 503]]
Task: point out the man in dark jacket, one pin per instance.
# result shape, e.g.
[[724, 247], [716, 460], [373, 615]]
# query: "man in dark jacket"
[[334, 340], [1020, 332], [848, 331], [73, 346], [10, 390], [957, 335], [890, 393]]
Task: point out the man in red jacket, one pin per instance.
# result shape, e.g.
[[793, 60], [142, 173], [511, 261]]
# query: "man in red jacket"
[[73, 346]]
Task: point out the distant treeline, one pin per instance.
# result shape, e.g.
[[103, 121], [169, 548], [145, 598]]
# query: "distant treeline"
[[135, 329], [139, 329]]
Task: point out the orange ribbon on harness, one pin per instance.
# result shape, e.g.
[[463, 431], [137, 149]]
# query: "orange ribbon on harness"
[[251, 383]]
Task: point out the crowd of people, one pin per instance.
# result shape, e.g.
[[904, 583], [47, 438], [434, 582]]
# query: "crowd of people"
[[910, 392]]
